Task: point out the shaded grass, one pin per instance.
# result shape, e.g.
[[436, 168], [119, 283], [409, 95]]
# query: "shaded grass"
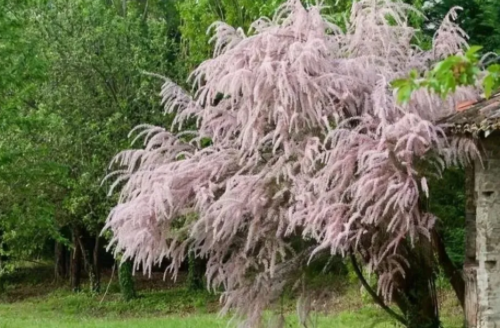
[[172, 308], [153, 310], [176, 307], [37, 303], [177, 301]]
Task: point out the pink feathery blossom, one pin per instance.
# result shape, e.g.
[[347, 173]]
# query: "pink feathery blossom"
[[306, 141]]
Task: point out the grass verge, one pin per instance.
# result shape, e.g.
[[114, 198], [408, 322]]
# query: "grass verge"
[[166, 304]]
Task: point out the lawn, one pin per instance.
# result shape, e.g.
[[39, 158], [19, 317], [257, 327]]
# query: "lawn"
[[169, 308], [152, 310], [36, 303]]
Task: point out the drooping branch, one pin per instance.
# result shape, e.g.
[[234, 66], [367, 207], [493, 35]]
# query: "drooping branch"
[[376, 298], [452, 273]]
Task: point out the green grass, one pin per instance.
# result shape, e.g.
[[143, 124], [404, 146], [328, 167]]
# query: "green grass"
[[38, 303], [168, 308], [66, 310], [42, 306]]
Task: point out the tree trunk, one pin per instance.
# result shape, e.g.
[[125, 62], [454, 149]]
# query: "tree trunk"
[[421, 290], [96, 265], [452, 273], [126, 279], [470, 262], [90, 268], [416, 294], [487, 183], [195, 272], [76, 260], [60, 262]]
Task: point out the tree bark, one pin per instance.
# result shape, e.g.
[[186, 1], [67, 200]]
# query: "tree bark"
[[60, 267], [195, 272], [415, 294], [90, 268], [376, 298], [126, 279], [96, 264], [421, 291], [452, 273], [76, 260]]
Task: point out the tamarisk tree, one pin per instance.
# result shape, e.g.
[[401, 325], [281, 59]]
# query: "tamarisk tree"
[[300, 149]]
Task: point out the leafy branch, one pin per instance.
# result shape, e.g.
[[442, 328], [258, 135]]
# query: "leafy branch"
[[448, 74]]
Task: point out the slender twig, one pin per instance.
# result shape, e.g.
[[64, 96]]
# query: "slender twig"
[[84, 255], [145, 13], [32, 261], [109, 283], [373, 294], [156, 75]]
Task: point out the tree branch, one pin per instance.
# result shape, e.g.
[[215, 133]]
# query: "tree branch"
[[373, 294], [452, 273], [109, 284]]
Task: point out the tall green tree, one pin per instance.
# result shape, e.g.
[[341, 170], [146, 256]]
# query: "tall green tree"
[[479, 18], [29, 176], [196, 16], [98, 55], [72, 88]]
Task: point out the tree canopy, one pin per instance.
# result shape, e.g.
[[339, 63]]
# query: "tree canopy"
[[307, 142]]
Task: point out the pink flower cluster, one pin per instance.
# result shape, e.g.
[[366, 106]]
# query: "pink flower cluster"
[[305, 143]]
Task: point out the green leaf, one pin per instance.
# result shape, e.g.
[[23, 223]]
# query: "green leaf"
[[398, 83], [443, 66], [472, 52], [489, 85], [404, 94], [494, 68], [414, 74]]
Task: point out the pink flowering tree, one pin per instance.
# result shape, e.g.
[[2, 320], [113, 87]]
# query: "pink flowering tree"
[[300, 149]]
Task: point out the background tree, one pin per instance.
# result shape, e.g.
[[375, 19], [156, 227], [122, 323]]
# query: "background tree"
[[479, 19], [196, 17], [74, 85], [30, 179]]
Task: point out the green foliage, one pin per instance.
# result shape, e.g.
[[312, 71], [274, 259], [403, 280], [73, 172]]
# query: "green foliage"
[[71, 89], [101, 92], [479, 18], [447, 75], [29, 176], [197, 15], [447, 202], [126, 278], [492, 80]]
